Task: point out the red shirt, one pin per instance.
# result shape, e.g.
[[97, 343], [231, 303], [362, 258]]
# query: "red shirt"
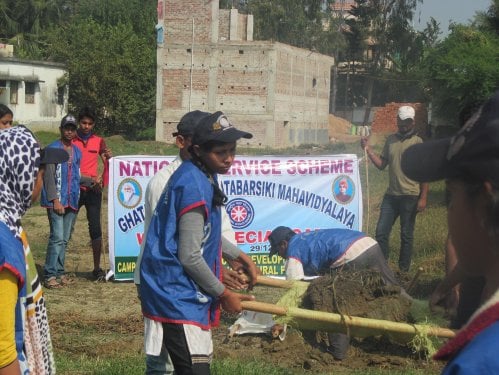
[[91, 150]]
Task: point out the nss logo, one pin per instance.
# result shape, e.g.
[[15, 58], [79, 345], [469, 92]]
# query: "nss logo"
[[241, 213]]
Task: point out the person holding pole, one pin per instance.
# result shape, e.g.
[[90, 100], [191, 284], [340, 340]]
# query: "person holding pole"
[[404, 197]]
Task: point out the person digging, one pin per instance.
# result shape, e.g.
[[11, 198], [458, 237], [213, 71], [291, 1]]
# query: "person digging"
[[318, 252]]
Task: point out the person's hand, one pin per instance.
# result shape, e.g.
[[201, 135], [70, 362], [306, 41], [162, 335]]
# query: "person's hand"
[[97, 184], [244, 264], [58, 207], [231, 301], [364, 142], [108, 154], [234, 280], [421, 204]]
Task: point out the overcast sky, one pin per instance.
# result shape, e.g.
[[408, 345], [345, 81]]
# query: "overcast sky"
[[444, 11]]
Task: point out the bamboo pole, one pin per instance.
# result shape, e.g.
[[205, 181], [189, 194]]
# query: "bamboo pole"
[[355, 326], [277, 283]]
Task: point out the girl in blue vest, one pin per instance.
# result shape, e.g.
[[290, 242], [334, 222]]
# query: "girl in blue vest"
[[180, 272], [25, 343]]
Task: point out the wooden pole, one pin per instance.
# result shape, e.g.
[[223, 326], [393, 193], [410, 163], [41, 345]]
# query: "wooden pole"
[[355, 326]]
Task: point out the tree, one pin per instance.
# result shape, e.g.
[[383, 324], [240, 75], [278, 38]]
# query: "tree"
[[385, 51], [23, 22], [301, 23], [462, 70], [110, 52]]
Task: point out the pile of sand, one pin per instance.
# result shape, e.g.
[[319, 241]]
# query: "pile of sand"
[[338, 125]]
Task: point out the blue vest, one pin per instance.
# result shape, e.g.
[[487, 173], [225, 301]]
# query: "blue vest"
[[168, 294], [67, 180], [479, 356], [318, 250], [12, 258]]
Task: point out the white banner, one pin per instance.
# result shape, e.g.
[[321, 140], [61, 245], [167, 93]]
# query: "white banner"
[[302, 192]]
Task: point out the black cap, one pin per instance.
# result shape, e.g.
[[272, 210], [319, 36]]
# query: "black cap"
[[473, 153], [68, 120], [188, 122], [216, 127], [279, 234], [50, 155]]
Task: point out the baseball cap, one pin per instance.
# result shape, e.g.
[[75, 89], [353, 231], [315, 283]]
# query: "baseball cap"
[[277, 235], [188, 122], [51, 155], [473, 153], [406, 112], [217, 127], [68, 120]]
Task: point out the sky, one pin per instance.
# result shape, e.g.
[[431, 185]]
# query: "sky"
[[460, 11]]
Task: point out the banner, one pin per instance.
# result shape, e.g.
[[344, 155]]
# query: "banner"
[[303, 192]]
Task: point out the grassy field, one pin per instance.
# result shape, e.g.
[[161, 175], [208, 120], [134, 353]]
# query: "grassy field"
[[97, 327]]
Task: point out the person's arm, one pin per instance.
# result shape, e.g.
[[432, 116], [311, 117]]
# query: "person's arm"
[[105, 154], [454, 277], [423, 196], [378, 161], [9, 365], [294, 269], [191, 234], [49, 185]]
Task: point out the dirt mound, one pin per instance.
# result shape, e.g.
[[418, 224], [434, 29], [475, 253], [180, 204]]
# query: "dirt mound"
[[358, 293], [355, 293]]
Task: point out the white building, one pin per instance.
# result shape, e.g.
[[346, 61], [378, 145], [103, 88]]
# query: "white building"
[[36, 91]]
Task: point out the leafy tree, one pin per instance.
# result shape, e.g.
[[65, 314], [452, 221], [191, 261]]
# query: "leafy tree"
[[23, 21], [462, 70], [110, 52], [302, 23], [489, 20], [387, 50]]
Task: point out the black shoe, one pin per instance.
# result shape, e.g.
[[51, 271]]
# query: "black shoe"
[[99, 274]]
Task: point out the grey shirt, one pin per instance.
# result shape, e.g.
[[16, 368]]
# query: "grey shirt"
[[191, 234]]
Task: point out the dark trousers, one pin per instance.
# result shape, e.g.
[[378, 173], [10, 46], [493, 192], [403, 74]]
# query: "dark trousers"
[[92, 201], [175, 343], [392, 207]]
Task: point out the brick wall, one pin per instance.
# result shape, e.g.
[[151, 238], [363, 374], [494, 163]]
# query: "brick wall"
[[178, 21], [277, 92], [385, 118]]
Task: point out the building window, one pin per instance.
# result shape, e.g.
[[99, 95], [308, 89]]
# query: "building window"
[[3, 83], [29, 92], [14, 85]]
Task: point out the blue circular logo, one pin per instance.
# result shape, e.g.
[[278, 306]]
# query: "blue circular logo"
[[241, 213]]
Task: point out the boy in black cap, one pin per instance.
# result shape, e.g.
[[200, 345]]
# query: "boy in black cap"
[[60, 194], [156, 360], [469, 162]]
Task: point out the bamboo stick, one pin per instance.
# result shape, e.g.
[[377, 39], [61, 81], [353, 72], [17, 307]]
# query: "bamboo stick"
[[355, 326]]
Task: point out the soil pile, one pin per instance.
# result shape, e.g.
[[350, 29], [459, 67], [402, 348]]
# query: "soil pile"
[[357, 293]]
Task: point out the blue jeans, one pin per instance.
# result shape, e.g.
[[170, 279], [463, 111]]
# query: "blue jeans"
[[61, 227], [392, 207], [159, 365]]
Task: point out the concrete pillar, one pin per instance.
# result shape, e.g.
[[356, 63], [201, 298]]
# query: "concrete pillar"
[[234, 19]]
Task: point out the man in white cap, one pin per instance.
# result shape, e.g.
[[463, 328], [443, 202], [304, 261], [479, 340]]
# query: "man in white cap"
[[404, 197]]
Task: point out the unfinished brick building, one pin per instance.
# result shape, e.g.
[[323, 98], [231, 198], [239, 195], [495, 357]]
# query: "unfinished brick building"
[[207, 60]]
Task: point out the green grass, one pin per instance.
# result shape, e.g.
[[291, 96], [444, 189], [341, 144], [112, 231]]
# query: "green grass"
[[430, 234]]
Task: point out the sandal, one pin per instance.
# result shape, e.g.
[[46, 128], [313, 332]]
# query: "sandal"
[[66, 280], [52, 283], [99, 274]]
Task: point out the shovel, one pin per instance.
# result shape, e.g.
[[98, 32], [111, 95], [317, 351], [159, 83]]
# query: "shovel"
[[355, 326]]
